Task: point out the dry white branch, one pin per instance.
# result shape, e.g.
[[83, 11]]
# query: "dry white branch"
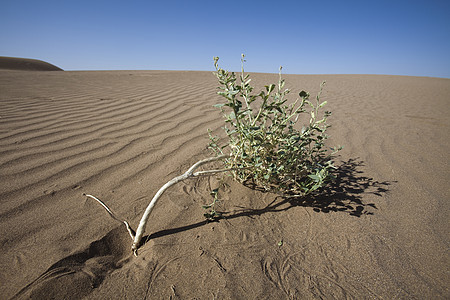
[[129, 229], [137, 236], [189, 173]]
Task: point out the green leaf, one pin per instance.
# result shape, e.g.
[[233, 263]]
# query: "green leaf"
[[219, 105], [270, 88], [303, 94], [323, 104], [314, 177]]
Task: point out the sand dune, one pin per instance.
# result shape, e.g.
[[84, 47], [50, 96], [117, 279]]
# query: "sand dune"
[[379, 231], [26, 64]]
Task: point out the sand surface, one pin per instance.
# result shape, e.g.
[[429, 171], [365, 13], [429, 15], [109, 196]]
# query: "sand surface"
[[26, 64], [381, 231]]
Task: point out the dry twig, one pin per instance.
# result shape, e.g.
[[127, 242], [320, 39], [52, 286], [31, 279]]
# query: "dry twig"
[[137, 236]]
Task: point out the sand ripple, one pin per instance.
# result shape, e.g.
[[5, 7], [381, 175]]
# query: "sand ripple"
[[381, 231]]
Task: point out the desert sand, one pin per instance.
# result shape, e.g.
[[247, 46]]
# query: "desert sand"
[[380, 231], [26, 64]]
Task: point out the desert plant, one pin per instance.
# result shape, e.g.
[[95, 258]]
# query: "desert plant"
[[264, 144], [212, 214]]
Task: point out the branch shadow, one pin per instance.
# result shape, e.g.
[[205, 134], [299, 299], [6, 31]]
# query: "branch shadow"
[[344, 194]]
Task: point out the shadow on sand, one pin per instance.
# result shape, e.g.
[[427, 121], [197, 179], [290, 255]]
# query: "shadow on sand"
[[87, 269], [344, 194]]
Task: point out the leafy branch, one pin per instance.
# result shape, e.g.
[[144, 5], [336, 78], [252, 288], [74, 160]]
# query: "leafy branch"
[[265, 143]]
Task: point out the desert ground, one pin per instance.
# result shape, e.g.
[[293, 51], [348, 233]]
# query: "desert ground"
[[379, 231]]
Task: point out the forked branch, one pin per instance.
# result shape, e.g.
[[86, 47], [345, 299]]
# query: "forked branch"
[[137, 236], [189, 173], [113, 215]]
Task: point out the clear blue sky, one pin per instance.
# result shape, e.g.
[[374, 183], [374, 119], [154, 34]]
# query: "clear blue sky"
[[305, 37]]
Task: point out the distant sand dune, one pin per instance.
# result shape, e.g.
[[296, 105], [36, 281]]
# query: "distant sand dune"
[[380, 231], [26, 64]]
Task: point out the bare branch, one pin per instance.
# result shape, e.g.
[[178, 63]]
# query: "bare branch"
[[189, 173], [212, 172], [113, 215]]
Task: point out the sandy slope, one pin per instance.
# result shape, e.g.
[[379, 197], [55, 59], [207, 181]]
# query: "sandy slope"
[[380, 231], [26, 64]]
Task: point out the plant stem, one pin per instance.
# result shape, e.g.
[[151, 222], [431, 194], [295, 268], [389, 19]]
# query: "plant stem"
[[130, 230], [189, 173], [245, 89]]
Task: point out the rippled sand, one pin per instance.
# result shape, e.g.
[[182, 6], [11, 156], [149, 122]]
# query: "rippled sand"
[[379, 231]]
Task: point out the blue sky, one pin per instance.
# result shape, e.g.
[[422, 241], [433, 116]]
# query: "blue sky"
[[305, 37]]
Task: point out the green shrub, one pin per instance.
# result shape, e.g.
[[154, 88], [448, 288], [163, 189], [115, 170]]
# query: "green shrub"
[[274, 144]]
